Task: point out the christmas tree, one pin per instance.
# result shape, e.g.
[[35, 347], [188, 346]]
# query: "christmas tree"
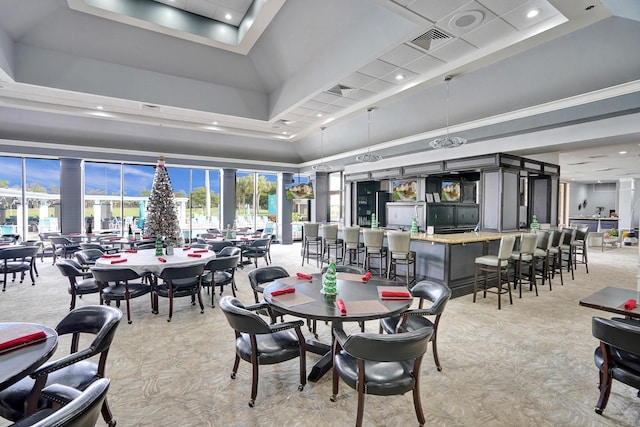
[[162, 216]]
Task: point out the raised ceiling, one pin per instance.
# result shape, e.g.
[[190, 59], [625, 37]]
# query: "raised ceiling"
[[312, 64]]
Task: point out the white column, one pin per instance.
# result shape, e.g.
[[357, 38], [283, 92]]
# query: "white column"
[[626, 198]]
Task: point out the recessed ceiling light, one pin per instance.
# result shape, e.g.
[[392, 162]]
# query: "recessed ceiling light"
[[100, 107], [400, 77], [228, 16], [285, 133], [319, 115], [214, 123], [533, 13], [622, 152]]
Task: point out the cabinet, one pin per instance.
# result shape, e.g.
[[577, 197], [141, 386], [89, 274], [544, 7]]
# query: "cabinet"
[[452, 217], [366, 202]]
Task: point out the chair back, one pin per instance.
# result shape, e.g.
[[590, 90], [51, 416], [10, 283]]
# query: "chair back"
[[218, 245], [261, 275], [568, 236], [351, 235], [85, 246], [543, 240], [106, 275], [436, 293], [201, 246], [83, 411], [618, 333], [88, 256], [399, 241], [329, 232], [373, 238], [557, 238], [241, 319], [59, 240], [100, 320], [310, 230], [230, 251], [388, 347], [345, 269], [582, 232], [188, 272], [528, 243], [222, 263], [70, 268], [261, 244], [506, 247], [19, 252], [551, 238]]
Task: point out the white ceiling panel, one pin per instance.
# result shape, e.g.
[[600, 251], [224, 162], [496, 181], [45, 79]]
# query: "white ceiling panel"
[[518, 16], [424, 65], [502, 6], [489, 33], [434, 10], [377, 68], [357, 80], [379, 86], [453, 50], [361, 94], [402, 55]]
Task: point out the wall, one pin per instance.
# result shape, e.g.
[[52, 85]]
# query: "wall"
[[596, 195]]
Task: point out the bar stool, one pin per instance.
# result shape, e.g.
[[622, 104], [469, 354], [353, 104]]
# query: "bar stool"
[[568, 236], [330, 241], [495, 264], [525, 258], [400, 254], [311, 238], [579, 247], [545, 239], [555, 254], [352, 245], [373, 238]]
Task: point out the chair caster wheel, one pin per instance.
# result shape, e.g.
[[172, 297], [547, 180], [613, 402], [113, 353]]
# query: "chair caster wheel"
[[130, 321], [169, 320], [439, 368], [233, 375], [251, 403], [300, 387], [333, 398], [598, 411], [112, 423]]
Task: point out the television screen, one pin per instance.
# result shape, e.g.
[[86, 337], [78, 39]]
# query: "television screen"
[[299, 191], [450, 191]]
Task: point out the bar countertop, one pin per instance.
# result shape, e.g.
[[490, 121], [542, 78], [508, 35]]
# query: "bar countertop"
[[459, 238]]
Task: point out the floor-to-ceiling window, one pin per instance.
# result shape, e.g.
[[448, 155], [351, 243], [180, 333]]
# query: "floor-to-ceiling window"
[[102, 195], [336, 192], [253, 192]]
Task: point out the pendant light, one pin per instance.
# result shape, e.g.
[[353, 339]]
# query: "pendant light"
[[368, 157], [322, 166], [447, 141]]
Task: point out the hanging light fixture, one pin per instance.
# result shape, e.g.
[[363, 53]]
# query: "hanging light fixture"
[[447, 141], [322, 166], [368, 157]]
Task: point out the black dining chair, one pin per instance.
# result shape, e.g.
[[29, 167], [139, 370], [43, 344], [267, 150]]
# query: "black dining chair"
[[261, 275], [258, 248], [77, 370], [18, 260], [618, 355], [179, 282], [380, 364], [120, 284], [259, 343], [81, 408], [220, 271], [63, 246], [80, 282], [435, 293], [88, 257]]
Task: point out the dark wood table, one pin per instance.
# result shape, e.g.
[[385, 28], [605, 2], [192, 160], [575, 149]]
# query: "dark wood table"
[[20, 362], [323, 308], [612, 300]]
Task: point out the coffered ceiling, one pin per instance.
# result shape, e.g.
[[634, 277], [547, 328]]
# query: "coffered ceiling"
[[144, 77]]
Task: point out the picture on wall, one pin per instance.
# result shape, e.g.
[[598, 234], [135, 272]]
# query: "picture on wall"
[[299, 191], [450, 191], [405, 191]]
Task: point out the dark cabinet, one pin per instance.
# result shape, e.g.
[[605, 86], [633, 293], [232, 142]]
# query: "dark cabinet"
[[366, 202], [452, 217]]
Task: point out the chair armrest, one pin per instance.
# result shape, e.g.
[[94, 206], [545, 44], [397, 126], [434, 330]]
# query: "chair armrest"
[[340, 336], [419, 312], [286, 325], [258, 306], [60, 393], [62, 363]]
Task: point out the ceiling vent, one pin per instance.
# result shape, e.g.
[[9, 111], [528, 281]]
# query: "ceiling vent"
[[425, 40], [341, 90]]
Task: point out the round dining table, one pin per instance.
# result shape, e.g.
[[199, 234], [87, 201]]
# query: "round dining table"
[[16, 363], [145, 261], [362, 300]]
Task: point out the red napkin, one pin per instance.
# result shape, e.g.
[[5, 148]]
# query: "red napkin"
[[195, 255], [395, 294], [131, 251], [132, 239], [366, 276], [146, 237], [23, 340], [74, 234], [244, 238], [118, 261], [630, 304], [200, 251], [304, 276], [110, 256], [114, 239], [162, 260], [186, 248], [283, 291], [341, 307]]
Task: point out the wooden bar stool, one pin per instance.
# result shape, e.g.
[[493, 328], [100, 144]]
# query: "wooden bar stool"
[[524, 258], [495, 264], [311, 239], [353, 247], [400, 254], [373, 248], [330, 241]]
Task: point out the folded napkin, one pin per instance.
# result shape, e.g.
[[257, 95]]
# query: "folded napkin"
[[114, 239], [186, 248], [304, 276], [162, 260], [195, 255], [110, 256], [341, 307], [131, 251], [146, 237], [132, 239], [630, 304], [200, 251], [366, 276], [23, 340], [395, 294], [74, 234], [244, 238], [283, 291], [118, 261]]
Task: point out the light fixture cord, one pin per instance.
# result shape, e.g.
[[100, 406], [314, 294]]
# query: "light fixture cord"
[[368, 129], [322, 145], [447, 79]]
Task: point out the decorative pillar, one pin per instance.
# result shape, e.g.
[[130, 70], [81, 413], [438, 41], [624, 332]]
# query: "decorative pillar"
[[71, 196], [321, 193], [285, 210], [228, 197]]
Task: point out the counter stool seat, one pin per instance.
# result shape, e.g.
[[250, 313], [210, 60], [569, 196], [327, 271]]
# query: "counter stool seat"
[[353, 247], [498, 264], [373, 248], [400, 254]]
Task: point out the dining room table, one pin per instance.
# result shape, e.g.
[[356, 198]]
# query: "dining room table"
[[615, 300], [356, 300], [23, 348], [144, 261]]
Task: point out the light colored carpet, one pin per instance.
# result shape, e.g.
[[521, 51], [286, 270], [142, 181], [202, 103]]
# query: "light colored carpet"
[[529, 364]]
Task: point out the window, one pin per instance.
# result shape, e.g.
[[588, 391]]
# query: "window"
[[336, 197]]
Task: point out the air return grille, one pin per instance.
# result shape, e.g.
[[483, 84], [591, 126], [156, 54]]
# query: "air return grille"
[[424, 41]]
